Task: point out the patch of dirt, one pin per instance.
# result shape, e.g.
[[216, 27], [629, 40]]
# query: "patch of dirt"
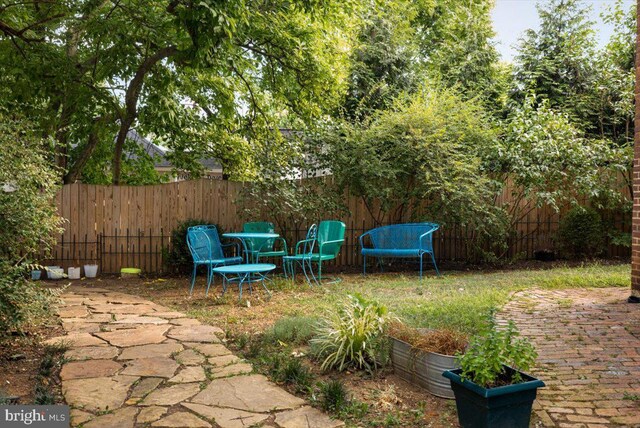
[[20, 358]]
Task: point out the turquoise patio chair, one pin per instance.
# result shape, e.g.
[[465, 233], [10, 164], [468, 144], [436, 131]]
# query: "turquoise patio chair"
[[329, 242], [206, 249], [301, 256], [258, 247]]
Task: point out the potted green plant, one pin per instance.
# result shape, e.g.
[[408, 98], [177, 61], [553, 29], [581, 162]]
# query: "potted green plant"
[[490, 387], [419, 356]]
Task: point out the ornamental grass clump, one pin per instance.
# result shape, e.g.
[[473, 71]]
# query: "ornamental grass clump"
[[489, 355], [353, 336]]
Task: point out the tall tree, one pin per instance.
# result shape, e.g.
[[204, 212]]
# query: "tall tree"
[[635, 238], [197, 74], [555, 62]]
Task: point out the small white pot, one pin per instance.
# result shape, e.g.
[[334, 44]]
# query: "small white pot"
[[74, 273], [90, 271], [54, 272]]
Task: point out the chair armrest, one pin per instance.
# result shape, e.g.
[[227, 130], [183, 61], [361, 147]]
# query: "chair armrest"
[[361, 238], [302, 242], [233, 244], [284, 244], [321, 244], [427, 234]]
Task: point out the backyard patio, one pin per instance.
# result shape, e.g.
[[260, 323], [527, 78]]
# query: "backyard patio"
[[586, 339]]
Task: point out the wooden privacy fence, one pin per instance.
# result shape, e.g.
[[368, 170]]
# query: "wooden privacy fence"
[[130, 226]]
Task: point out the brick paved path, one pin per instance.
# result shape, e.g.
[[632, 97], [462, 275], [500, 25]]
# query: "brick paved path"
[[589, 354], [135, 363]]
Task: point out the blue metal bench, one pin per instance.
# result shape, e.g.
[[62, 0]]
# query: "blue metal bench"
[[400, 241]]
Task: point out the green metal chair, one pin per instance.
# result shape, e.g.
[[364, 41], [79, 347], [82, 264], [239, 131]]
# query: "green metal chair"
[[301, 255], [260, 247], [328, 242]]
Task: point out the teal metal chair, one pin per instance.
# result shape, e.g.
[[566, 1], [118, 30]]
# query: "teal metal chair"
[[329, 242], [206, 249], [258, 247], [301, 256]]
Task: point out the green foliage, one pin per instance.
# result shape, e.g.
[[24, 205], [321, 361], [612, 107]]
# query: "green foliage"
[[205, 77], [292, 330], [581, 232], [549, 162], [483, 362], [353, 336], [28, 222], [419, 162], [290, 370], [179, 256], [334, 396]]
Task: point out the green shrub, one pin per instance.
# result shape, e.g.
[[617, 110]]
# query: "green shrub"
[[581, 233], [333, 396], [353, 336], [179, 258], [483, 362], [290, 370], [28, 221], [292, 330]]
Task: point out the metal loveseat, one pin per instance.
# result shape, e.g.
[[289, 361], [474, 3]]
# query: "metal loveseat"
[[400, 241]]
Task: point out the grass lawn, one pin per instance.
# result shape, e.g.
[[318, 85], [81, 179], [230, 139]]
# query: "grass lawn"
[[458, 300]]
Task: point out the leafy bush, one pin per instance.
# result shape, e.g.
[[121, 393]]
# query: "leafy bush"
[[179, 258], [333, 396], [28, 221], [488, 353], [353, 336], [581, 233], [293, 330], [290, 370]]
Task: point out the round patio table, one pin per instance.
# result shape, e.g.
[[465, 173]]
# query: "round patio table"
[[247, 273], [243, 236]]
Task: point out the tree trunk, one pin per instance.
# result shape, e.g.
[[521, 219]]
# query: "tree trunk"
[[76, 169], [131, 105], [635, 240]]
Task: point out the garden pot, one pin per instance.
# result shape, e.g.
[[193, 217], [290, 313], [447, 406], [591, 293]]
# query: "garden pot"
[[421, 368], [73, 273], [54, 272], [35, 275], [504, 406], [90, 271]]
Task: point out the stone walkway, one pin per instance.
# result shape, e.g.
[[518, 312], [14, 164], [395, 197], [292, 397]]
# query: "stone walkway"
[[588, 343], [135, 363]]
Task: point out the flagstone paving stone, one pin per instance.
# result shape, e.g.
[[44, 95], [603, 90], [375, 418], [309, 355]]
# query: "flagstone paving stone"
[[151, 367], [196, 333], [121, 418], [180, 420], [171, 395], [228, 418], [240, 392], [133, 363], [189, 374], [209, 350], [92, 353], [190, 357], [149, 351], [145, 386], [90, 368], [150, 414], [136, 336]]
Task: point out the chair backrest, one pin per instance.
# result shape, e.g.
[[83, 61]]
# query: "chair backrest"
[[331, 230], [198, 243], [403, 236], [215, 246], [310, 240], [261, 244]]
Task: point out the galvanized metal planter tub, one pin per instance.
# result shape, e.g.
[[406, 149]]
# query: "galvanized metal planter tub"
[[421, 368]]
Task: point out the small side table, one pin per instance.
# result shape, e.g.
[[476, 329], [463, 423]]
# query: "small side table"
[[247, 273]]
